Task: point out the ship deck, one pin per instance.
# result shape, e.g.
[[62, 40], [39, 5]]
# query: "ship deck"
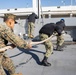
[[28, 61]]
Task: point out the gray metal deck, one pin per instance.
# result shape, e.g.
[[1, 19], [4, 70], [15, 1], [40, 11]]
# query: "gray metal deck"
[[28, 61]]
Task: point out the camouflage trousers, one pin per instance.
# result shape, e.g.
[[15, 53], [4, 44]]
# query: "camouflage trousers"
[[7, 64], [60, 40], [48, 45], [31, 27]]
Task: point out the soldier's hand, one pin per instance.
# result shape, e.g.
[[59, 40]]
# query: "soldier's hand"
[[29, 45], [5, 48]]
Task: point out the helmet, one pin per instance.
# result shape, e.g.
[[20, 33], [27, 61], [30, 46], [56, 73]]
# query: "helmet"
[[62, 20]]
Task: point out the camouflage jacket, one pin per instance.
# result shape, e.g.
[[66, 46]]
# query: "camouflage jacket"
[[7, 34]]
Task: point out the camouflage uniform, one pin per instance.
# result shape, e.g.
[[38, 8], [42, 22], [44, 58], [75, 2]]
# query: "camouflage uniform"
[[6, 34], [60, 26], [31, 27], [45, 32], [60, 40], [31, 24], [48, 45]]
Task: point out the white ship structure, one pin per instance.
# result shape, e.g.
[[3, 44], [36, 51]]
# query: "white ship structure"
[[46, 15]]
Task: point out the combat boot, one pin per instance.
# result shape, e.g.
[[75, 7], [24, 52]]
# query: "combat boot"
[[17, 74], [59, 48], [44, 62]]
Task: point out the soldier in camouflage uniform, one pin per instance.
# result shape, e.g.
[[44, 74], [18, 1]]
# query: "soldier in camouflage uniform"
[[7, 35], [60, 26], [45, 32], [31, 24]]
